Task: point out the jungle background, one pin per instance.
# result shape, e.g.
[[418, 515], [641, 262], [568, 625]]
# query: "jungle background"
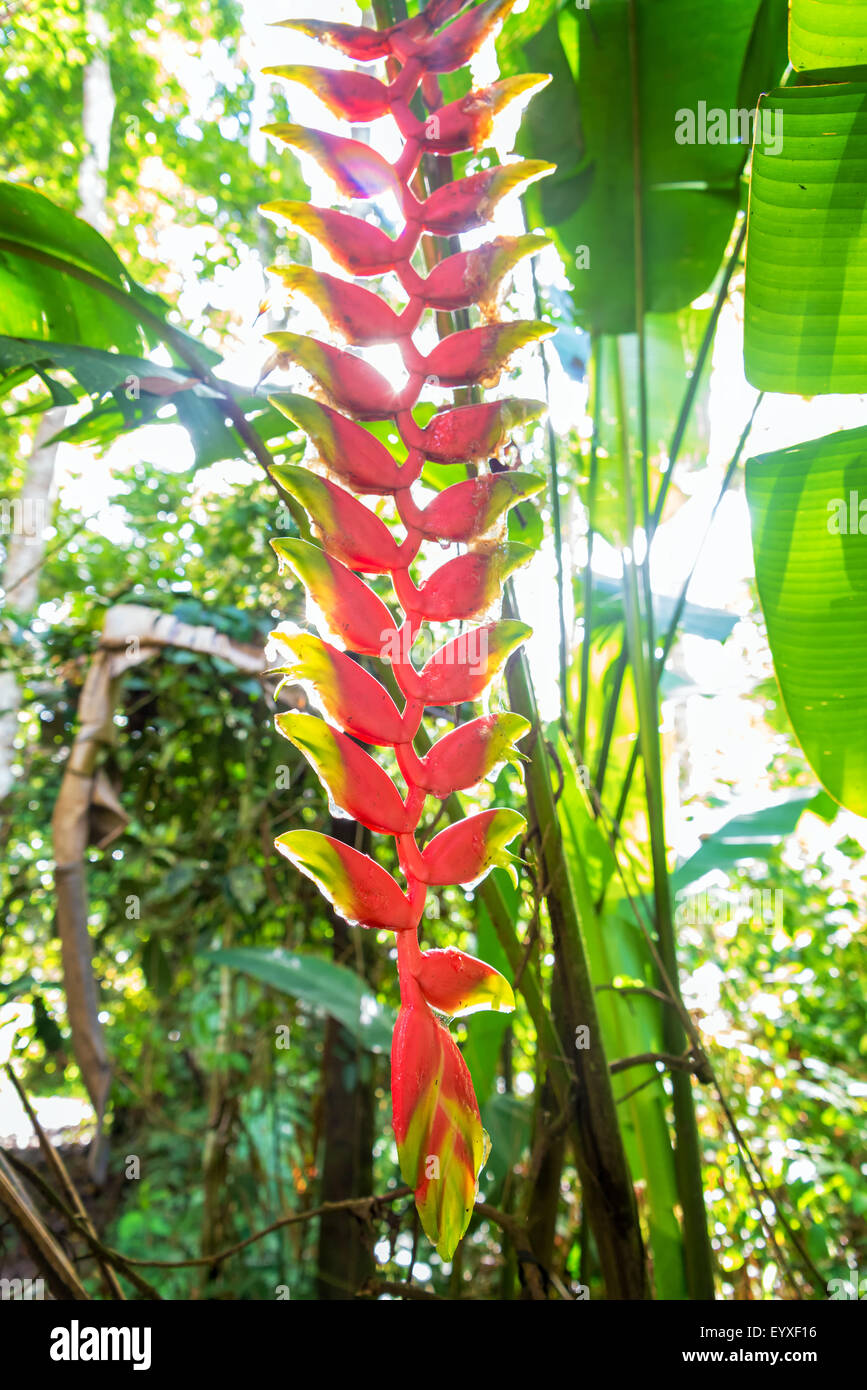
[[243, 1031]]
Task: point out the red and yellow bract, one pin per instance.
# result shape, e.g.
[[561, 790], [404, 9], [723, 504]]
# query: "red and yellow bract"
[[441, 1143]]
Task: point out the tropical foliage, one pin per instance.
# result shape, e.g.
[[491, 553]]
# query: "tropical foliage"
[[656, 993]]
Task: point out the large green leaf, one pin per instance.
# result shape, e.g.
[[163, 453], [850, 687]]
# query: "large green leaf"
[[97, 372], [319, 983], [806, 279], [810, 542], [41, 248], [716, 624], [508, 1120], [689, 52], [130, 392], [752, 835], [827, 34]]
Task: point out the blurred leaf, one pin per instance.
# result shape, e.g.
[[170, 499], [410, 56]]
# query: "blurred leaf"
[[753, 835], [584, 122], [318, 983]]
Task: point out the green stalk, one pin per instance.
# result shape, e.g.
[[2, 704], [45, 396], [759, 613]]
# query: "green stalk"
[[606, 1181], [674, 454], [687, 1154], [553, 459], [674, 625], [584, 692], [638, 248]]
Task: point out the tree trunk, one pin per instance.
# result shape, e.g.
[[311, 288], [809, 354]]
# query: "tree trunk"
[[26, 549], [24, 554]]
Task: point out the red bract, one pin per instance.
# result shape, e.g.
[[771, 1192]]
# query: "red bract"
[[474, 277], [357, 246], [441, 1143], [474, 432], [345, 448], [348, 529], [471, 202], [352, 95]]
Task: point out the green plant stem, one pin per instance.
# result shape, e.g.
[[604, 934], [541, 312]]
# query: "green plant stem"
[[687, 1155], [673, 456], [638, 249], [587, 615], [674, 625], [554, 464], [600, 1155]]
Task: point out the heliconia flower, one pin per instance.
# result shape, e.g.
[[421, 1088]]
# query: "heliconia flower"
[[357, 784], [465, 587], [349, 530], [455, 46], [463, 668], [440, 1140], [476, 356], [474, 432], [360, 317], [358, 247], [353, 611], [467, 124], [351, 95], [441, 1143], [345, 448], [469, 203], [356, 169], [471, 508], [466, 851], [462, 758], [351, 697], [475, 277], [348, 380], [358, 888], [357, 42], [458, 984]]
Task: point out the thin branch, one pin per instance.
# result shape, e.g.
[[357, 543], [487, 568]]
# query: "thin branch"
[[61, 1173], [356, 1206]]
